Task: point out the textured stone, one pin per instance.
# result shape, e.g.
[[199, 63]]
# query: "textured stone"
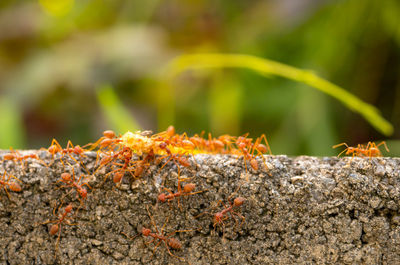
[[302, 210]]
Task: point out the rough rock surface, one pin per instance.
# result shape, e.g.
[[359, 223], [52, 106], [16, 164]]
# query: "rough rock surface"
[[302, 210]]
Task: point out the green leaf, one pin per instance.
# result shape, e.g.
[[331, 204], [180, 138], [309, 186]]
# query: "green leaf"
[[267, 68]]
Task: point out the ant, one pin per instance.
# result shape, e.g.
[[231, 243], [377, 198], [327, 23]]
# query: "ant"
[[108, 139], [16, 156], [57, 226], [370, 150], [56, 148], [261, 149], [161, 237], [175, 157], [6, 184], [244, 144], [220, 216], [187, 190], [70, 181], [373, 149]]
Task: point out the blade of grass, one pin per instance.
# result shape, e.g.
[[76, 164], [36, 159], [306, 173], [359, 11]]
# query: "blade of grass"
[[116, 114], [267, 67], [12, 131]]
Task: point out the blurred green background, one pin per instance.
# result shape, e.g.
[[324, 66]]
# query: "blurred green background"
[[71, 69]]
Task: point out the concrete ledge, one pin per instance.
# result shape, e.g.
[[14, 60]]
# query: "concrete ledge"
[[303, 210]]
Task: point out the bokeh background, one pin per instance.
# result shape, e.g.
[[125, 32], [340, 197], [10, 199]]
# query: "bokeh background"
[[71, 69]]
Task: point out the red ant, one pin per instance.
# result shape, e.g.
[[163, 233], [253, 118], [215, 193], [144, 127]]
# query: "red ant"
[[70, 181], [108, 139], [55, 148], [244, 144], [220, 217], [179, 158], [126, 154], [187, 190], [261, 149], [371, 150], [57, 226], [16, 156], [159, 235], [6, 184]]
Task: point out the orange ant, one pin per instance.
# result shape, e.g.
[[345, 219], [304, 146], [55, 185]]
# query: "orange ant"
[[261, 149], [108, 139], [161, 237], [244, 144], [70, 181], [370, 150], [373, 149], [220, 217], [57, 226], [16, 156], [56, 148], [175, 157], [187, 190], [6, 184]]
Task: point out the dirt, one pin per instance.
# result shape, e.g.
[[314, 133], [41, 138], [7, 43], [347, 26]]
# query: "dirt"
[[300, 210]]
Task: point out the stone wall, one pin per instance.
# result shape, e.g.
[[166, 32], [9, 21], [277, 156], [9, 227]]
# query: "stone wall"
[[301, 210]]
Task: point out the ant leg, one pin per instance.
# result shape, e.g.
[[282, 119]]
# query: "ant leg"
[[130, 238], [152, 220], [12, 176], [384, 144], [263, 137], [337, 145], [8, 194]]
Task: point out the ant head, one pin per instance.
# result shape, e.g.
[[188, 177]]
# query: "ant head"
[[66, 176], [161, 197], [351, 150], [146, 231], [189, 187], [54, 229], [238, 201], [69, 207], [83, 192], [78, 150], [218, 217]]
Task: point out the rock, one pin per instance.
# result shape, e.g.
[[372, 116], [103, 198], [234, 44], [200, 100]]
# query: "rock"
[[302, 210]]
